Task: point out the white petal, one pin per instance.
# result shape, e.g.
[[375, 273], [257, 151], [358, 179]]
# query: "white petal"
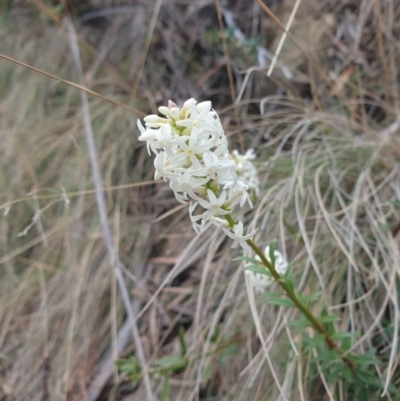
[[229, 233], [211, 197], [148, 135], [238, 229], [164, 110], [154, 119], [222, 198], [140, 126], [204, 107]]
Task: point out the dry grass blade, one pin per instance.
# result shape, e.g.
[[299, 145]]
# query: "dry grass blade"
[[329, 199], [266, 9], [283, 37], [147, 44], [230, 74], [116, 263], [80, 87]]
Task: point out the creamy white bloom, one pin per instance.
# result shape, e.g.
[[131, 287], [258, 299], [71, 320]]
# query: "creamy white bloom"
[[260, 282], [213, 204], [197, 226], [192, 153], [246, 169], [281, 264], [238, 236]]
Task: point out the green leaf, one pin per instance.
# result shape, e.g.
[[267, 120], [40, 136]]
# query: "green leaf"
[[300, 323], [395, 203], [280, 302], [329, 319], [128, 365], [57, 9], [311, 297], [362, 361], [272, 294], [288, 271], [341, 335], [326, 318], [181, 335], [325, 356], [215, 335], [362, 394], [171, 363], [272, 253], [165, 390], [314, 342], [247, 259], [207, 372], [258, 269], [292, 231], [289, 282], [346, 343], [228, 352]]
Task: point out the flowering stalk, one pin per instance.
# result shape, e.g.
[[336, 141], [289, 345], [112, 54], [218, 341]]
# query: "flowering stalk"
[[192, 153], [292, 296]]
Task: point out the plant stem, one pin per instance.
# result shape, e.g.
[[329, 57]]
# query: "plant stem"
[[291, 294]]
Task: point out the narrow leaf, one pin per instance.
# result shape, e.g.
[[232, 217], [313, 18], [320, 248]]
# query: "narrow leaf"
[[289, 282], [272, 253], [329, 319], [280, 302], [165, 390], [258, 269], [181, 335], [171, 363], [247, 259], [311, 297], [299, 323]]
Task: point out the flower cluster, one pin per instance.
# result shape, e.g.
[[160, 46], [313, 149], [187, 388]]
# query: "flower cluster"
[[192, 153], [246, 170], [259, 281]]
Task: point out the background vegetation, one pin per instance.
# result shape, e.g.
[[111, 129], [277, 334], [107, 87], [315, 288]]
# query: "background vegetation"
[[325, 127]]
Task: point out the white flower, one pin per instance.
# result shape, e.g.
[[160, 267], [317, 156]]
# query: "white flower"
[[238, 236], [166, 140], [214, 204], [190, 150], [192, 153], [281, 264], [239, 188], [246, 169], [215, 168], [196, 118], [197, 226], [187, 184], [259, 281], [163, 170]]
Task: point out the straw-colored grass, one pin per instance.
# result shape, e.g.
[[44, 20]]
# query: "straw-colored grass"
[[327, 159]]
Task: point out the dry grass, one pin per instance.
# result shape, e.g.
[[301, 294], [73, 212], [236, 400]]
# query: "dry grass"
[[328, 160]]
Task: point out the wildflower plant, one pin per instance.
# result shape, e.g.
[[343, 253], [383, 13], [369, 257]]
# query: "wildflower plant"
[[192, 153]]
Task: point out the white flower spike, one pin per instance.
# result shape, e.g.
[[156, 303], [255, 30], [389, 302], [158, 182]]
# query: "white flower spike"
[[192, 153]]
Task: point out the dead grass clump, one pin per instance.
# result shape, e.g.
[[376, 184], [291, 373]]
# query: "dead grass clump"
[[324, 127]]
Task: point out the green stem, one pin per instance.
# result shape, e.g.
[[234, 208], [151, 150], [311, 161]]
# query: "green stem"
[[290, 293]]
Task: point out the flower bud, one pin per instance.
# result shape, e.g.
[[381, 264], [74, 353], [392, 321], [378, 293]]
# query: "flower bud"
[[164, 110]]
